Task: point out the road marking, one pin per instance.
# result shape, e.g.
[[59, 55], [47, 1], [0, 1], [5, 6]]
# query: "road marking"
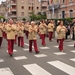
[[5, 71], [56, 46], [44, 48], [34, 69], [13, 50], [73, 59], [1, 60], [59, 53], [73, 51], [40, 55], [20, 57], [63, 67], [28, 45], [26, 49], [71, 45]]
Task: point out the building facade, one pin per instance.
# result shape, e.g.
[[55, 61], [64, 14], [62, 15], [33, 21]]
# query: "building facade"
[[19, 9], [61, 9], [67, 8], [3, 9]]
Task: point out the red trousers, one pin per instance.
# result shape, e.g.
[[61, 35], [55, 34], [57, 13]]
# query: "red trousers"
[[61, 44], [1, 38], [35, 45], [10, 46], [21, 41], [50, 35], [15, 41], [27, 34], [4, 35], [43, 39]]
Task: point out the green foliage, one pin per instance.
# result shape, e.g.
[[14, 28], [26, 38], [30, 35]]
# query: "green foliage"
[[37, 17], [69, 19], [1, 17], [24, 19]]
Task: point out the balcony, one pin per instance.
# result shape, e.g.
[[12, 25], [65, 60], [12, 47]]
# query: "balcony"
[[44, 0], [13, 10], [44, 5], [13, 16], [56, 6], [13, 3], [30, 11]]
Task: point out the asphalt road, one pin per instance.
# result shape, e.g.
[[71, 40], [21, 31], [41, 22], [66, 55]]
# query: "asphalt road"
[[50, 61]]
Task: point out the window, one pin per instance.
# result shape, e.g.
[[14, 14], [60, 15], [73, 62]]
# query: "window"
[[70, 1], [22, 13], [29, 8], [37, 8], [63, 14], [22, 1], [63, 1], [71, 13], [22, 7]]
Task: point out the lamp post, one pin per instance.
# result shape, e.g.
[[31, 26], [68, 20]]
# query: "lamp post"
[[32, 10]]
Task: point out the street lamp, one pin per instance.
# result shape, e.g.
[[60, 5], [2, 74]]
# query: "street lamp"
[[32, 10]]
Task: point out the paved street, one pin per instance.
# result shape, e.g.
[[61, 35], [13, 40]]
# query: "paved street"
[[50, 61]]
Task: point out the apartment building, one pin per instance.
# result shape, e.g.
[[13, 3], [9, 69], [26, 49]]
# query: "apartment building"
[[44, 5], [67, 8], [53, 9], [19, 9], [3, 9], [61, 9]]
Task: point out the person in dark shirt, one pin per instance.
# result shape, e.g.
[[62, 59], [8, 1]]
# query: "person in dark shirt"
[[72, 24]]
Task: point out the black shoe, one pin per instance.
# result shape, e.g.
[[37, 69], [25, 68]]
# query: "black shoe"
[[30, 51], [10, 55], [22, 46], [37, 52]]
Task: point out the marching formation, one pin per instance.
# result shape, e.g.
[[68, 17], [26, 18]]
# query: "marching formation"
[[14, 32]]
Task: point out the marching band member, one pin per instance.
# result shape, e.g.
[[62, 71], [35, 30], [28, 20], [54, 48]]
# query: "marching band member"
[[10, 36], [61, 30], [50, 30], [32, 37], [1, 33], [15, 41], [42, 32], [20, 30], [4, 30], [27, 25]]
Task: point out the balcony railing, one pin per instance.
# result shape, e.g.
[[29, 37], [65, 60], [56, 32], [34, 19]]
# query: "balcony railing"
[[55, 6], [13, 9], [13, 16], [13, 3]]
